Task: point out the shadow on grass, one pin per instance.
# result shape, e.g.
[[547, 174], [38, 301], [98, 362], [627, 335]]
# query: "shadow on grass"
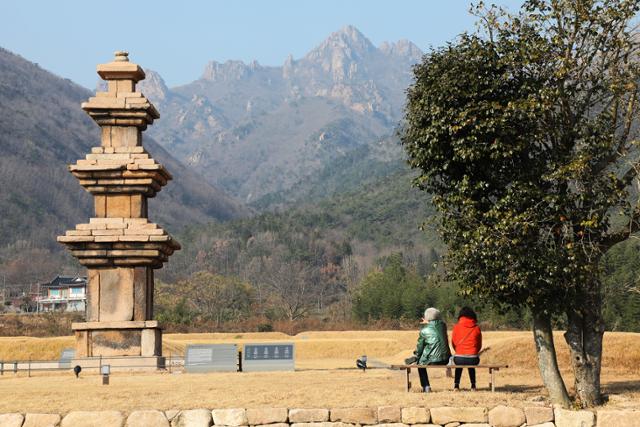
[[620, 387], [508, 388], [513, 388]]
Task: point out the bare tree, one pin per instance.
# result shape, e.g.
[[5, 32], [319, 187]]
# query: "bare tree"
[[292, 284]]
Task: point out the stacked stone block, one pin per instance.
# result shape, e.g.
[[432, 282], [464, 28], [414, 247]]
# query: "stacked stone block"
[[387, 416], [120, 246]]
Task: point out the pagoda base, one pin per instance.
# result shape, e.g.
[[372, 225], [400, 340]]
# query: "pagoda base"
[[118, 339]]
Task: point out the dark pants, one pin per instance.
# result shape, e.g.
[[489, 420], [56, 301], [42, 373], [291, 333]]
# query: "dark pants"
[[422, 373], [472, 372]]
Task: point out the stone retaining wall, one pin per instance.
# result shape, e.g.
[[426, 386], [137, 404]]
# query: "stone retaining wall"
[[385, 416]]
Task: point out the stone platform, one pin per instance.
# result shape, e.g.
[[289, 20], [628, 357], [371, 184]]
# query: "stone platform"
[[114, 339]]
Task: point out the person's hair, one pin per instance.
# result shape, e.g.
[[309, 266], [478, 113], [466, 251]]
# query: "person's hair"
[[431, 313], [467, 312]]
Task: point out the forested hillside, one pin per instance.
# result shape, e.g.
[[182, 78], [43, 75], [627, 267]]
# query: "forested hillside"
[[378, 219], [621, 274], [302, 262]]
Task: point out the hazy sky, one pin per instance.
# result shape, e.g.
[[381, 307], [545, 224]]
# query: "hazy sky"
[[177, 38]]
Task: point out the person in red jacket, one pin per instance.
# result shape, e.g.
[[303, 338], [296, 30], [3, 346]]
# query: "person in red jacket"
[[466, 341]]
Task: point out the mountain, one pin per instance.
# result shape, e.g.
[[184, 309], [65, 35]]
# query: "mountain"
[[42, 129], [314, 128], [261, 132]]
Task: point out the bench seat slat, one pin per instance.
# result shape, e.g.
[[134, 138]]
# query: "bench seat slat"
[[449, 366], [492, 370]]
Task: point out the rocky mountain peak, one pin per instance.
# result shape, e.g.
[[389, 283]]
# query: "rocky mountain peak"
[[402, 48], [287, 68], [153, 87], [248, 127], [342, 55], [352, 36], [347, 42], [229, 70]]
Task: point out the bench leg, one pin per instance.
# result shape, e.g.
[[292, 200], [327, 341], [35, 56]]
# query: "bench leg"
[[493, 381], [408, 379]]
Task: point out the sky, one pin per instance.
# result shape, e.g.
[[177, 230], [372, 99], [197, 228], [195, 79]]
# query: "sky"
[[177, 38]]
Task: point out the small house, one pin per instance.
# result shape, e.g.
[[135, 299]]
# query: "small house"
[[64, 293]]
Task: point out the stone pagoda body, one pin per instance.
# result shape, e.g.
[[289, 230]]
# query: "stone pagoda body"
[[119, 246]]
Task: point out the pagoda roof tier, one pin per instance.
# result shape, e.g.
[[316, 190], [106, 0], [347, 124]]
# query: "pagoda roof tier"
[[121, 69], [128, 170], [121, 109], [120, 242]]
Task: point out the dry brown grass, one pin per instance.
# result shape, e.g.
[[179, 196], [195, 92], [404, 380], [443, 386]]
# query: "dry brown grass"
[[49, 324], [326, 387], [32, 348]]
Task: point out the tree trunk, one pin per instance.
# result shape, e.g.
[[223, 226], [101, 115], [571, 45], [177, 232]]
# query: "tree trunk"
[[584, 334], [547, 361]]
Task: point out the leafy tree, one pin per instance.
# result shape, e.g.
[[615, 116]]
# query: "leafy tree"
[[621, 282], [177, 314], [524, 135], [218, 298], [206, 296], [392, 292]]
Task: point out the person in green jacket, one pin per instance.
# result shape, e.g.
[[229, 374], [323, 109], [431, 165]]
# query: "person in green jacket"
[[433, 345]]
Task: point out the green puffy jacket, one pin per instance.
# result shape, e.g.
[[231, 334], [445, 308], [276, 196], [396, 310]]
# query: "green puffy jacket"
[[433, 344]]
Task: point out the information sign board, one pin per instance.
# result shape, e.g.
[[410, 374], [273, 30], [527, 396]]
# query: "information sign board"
[[268, 357], [211, 358]]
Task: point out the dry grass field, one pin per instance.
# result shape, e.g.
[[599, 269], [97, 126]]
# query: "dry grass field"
[[319, 381]]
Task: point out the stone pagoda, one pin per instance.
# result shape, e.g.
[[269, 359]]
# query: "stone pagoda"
[[119, 246]]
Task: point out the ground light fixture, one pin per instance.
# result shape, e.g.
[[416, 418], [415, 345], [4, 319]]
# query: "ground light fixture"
[[105, 370], [361, 363]]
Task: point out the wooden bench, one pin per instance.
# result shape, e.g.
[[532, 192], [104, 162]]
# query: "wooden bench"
[[492, 369]]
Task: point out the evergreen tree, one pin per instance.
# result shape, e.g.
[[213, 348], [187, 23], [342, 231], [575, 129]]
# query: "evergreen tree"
[[525, 135]]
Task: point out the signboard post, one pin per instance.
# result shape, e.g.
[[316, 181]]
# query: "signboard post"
[[268, 357], [211, 358]]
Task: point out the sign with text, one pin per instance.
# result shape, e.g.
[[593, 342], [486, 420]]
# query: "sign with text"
[[268, 357], [66, 356], [211, 358]]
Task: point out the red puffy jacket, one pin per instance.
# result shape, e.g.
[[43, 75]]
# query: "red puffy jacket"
[[466, 338]]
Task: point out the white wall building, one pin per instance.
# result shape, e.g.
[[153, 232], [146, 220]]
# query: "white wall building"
[[64, 293]]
